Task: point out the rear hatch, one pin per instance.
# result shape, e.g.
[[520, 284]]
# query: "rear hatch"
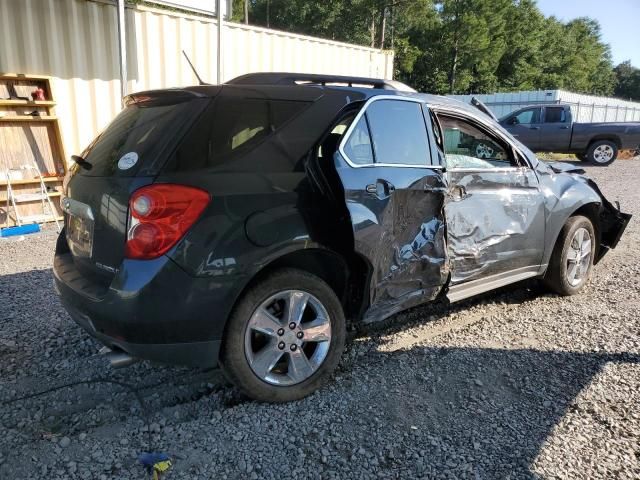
[[127, 155]]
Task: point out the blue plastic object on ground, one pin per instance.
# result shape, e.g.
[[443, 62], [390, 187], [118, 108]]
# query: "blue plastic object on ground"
[[155, 463], [22, 230]]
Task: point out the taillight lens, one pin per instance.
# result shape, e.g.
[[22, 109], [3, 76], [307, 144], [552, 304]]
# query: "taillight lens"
[[159, 216]]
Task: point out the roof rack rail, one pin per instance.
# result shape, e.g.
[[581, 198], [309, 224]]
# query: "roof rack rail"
[[283, 78]]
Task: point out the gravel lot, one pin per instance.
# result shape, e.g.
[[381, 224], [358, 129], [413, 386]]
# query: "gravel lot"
[[515, 384]]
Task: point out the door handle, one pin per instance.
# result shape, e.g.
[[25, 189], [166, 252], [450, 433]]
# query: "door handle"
[[381, 189], [534, 128], [564, 127]]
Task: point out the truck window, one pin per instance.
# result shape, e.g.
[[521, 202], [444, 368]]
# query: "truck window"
[[531, 115], [555, 115]]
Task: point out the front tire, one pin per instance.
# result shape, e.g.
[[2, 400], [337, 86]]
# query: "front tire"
[[602, 152], [284, 338], [572, 257]]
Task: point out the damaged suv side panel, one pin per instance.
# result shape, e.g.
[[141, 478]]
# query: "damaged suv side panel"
[[487, 221], [567, 190], [395, 199]]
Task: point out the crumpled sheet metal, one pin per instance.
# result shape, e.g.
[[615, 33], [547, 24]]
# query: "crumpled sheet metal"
[[484, 233], [411, 264]]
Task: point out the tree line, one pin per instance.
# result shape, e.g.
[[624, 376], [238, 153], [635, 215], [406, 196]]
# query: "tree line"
[[461, 46]]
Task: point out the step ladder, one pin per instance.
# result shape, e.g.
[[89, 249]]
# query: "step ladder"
[[15, 199]]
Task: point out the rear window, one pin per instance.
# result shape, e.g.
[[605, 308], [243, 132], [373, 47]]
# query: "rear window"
[[231, 127], [140, 138]]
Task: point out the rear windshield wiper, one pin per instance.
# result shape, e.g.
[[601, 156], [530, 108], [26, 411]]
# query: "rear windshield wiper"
[[81, 161]]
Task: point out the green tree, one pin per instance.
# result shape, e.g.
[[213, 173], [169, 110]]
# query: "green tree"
[[627, 81], [458, 46]]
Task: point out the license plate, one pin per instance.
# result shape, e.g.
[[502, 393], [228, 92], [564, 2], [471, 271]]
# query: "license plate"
[[80, 235]]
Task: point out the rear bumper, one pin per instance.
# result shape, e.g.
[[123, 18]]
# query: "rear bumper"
[[195, 354], [152, 310]]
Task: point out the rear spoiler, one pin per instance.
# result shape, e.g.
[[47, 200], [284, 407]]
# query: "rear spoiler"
[[483, 108], [167, 96]]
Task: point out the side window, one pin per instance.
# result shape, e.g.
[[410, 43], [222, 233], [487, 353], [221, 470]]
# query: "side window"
[[399, 133], [330, 144], [358, 145], [554, 115], [231, 127], [532, 115], [467, 146]]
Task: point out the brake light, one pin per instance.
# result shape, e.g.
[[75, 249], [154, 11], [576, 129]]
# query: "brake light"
[[159, 216]]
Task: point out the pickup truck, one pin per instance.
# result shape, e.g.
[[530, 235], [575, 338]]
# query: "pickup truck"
[[550, 128]]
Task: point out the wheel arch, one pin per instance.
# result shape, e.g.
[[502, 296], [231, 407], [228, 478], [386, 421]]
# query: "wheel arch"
[[605, 136], [590, 209], [348, 275]]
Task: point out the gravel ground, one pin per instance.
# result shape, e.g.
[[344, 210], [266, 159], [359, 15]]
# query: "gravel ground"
[[515, 384]]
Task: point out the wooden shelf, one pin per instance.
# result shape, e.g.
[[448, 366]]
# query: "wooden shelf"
[[27, 103], [29, 181], [22, 76], [28, 118], [29, 139]]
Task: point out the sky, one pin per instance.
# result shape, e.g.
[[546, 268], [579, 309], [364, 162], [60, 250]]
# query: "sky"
[[619, 20]]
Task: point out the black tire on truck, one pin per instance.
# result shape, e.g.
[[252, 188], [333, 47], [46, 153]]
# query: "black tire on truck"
[[602, 152]]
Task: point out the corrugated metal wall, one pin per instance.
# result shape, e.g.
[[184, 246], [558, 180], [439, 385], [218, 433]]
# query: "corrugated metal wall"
[[75, 42], [585, 108]]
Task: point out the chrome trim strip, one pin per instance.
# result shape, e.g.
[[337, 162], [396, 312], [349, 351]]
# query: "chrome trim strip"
[[357, 118], [463, 290], [490, 170]]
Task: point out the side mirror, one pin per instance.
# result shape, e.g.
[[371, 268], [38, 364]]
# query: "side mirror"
[[513, 121]]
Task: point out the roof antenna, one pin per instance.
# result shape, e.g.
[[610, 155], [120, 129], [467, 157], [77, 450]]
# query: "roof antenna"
[[200, 81]]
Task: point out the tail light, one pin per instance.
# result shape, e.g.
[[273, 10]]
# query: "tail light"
[[159, 216]]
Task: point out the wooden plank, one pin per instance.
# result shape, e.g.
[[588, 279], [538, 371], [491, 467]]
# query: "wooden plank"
[[21, 144], [30, 181], [36, 103], [28, 118], [22, 76]]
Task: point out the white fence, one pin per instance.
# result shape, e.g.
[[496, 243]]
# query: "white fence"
[[75, 42], [585, 108]]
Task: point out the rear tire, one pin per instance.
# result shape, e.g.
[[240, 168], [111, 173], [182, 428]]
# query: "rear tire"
[[572, 257], [602, 152], [265, 355]]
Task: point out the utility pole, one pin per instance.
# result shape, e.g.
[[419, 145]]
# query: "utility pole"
[[220, 46], [122, 48], [246, 12], [268, 23]]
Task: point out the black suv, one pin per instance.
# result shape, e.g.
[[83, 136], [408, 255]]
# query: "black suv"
[[245, 224]]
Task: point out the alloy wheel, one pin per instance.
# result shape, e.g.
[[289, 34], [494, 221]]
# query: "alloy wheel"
[[578, 257], [287, 338], [603, 153]]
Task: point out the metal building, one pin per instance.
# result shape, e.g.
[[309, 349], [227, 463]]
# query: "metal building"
[[585, 108]]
